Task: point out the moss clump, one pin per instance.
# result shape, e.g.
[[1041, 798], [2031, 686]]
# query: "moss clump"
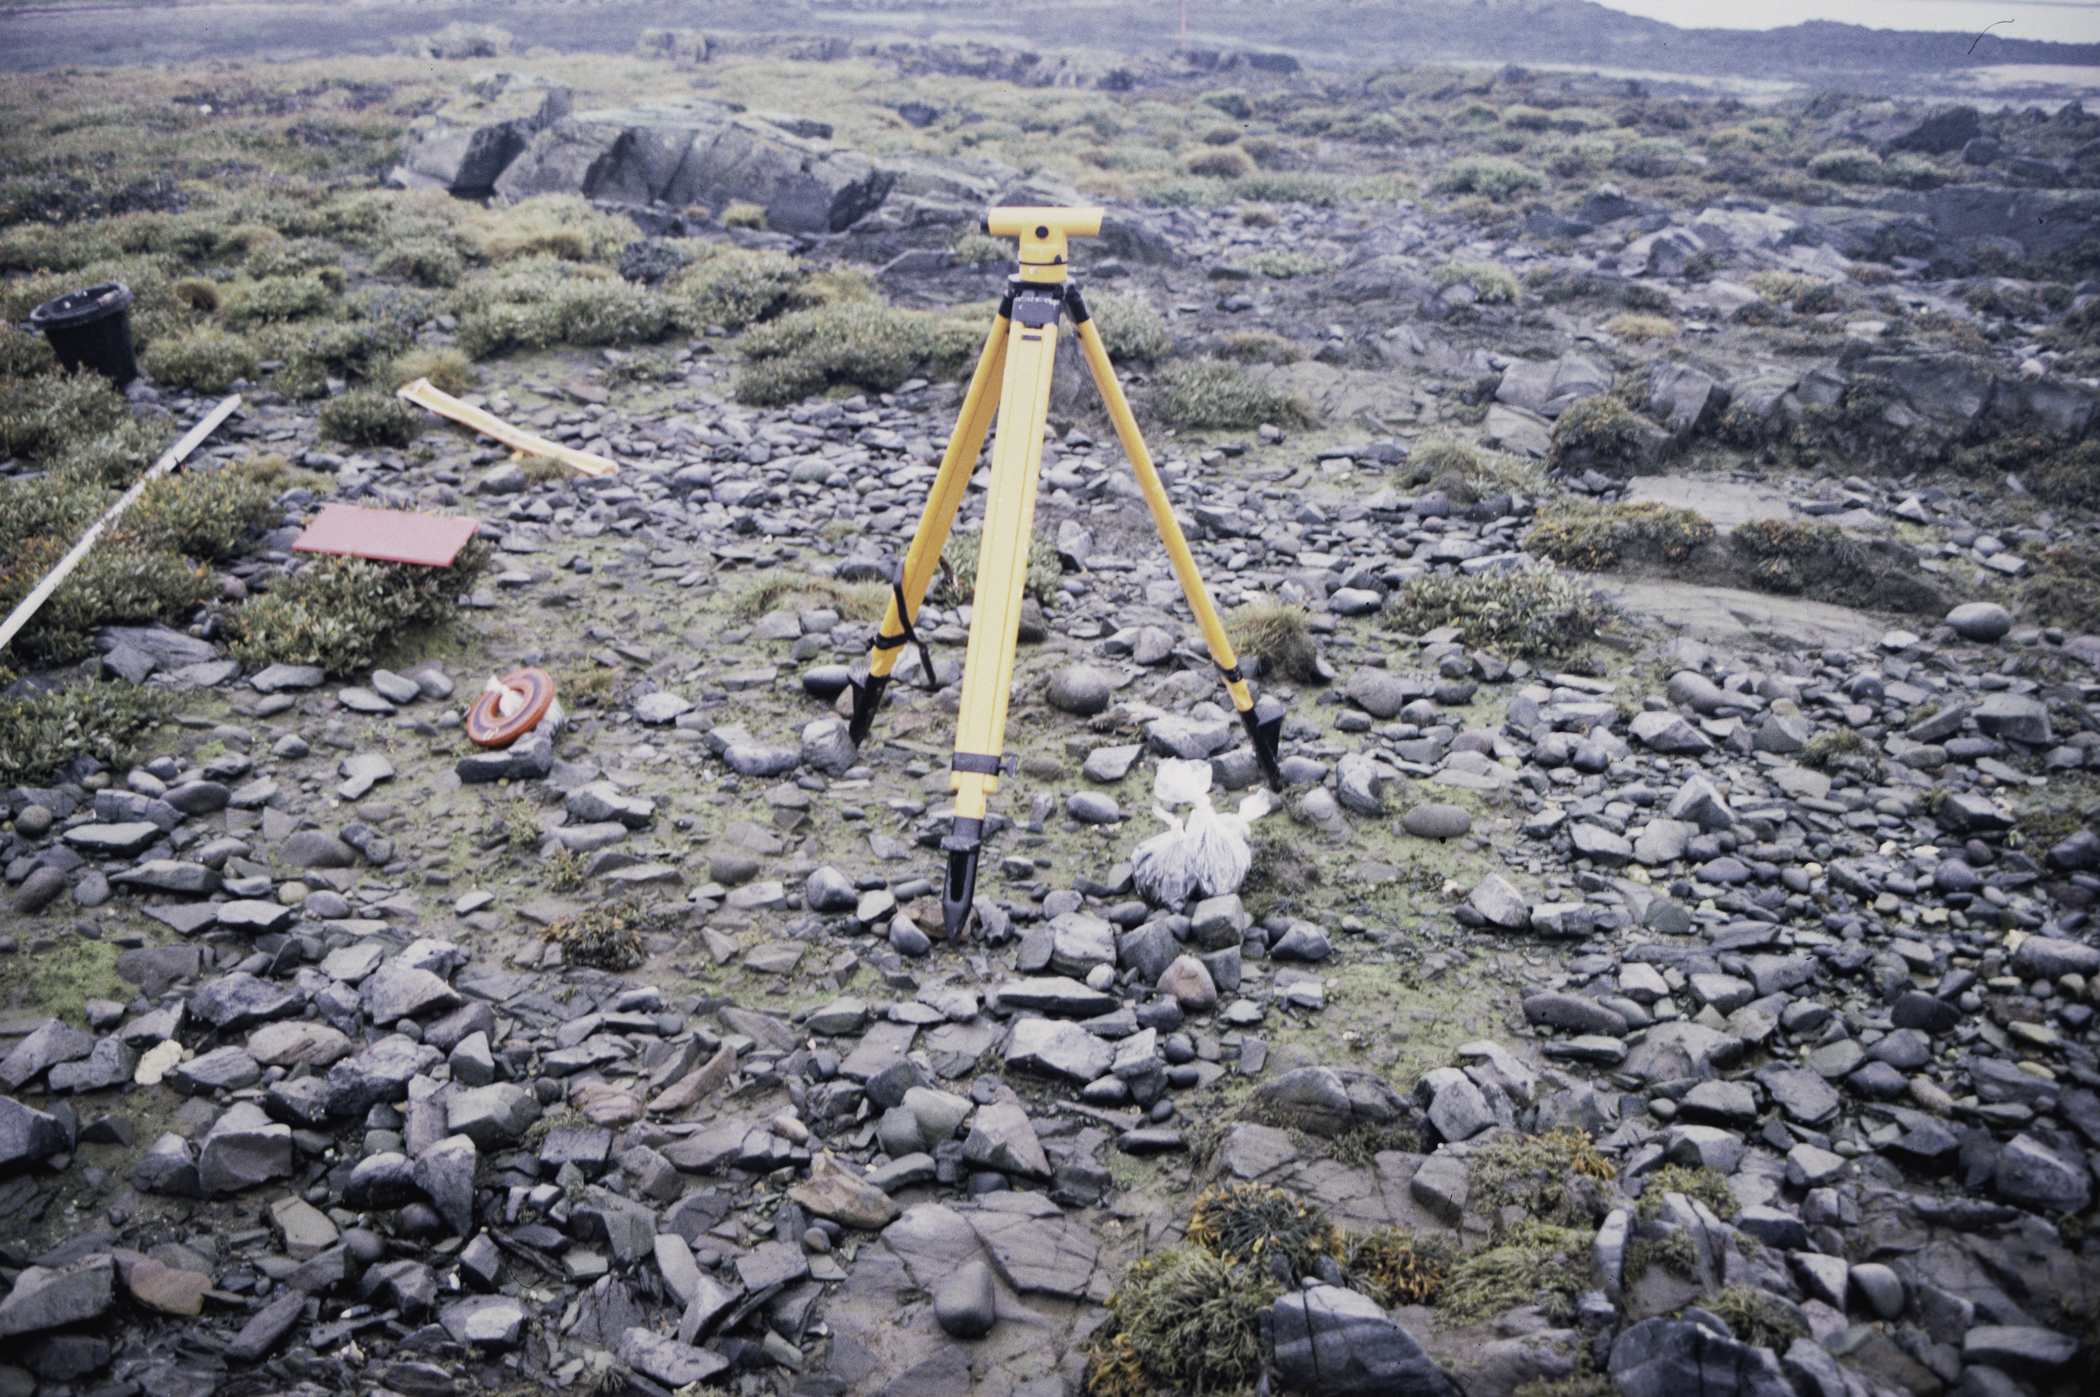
[[1703, 1185], [857, 344], [1531, 611], [1254, 1223], [1491, 285], [2065, 589], [1529, 1264], [369, 417], [1779, 549], [1603, 433], [1759, 1318], [2057, 473], [1130, 328], [268, 300], [956, 582], [1212, 393], [338, 613], [1279, 634], [734, 287], [40, 733], [1593, 536], [1553, 1177], [207, 360], [1185, 1317], [1846, 165], [1827, 749], [1464, 473], [1279, 874], [1675, 1252], [605, 937], [1493, 176], [1398, 1268]]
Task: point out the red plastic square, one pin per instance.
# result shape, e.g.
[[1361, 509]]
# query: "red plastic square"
[[388, 535]]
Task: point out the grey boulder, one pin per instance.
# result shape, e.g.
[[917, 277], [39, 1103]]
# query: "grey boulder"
[[1337, 1343]]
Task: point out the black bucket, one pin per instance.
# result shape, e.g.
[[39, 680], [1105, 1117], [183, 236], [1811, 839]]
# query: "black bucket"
[[91, 329]]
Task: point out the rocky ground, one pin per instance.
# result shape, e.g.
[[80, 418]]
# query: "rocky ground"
[[344, 1056]]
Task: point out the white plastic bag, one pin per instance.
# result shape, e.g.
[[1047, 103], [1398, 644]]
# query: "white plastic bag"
[[1206, 852]]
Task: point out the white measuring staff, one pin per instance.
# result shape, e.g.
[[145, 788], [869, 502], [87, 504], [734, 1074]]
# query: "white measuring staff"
[[191, 440]]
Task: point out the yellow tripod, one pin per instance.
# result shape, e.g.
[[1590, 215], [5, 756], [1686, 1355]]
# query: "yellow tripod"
[[1014, 373]]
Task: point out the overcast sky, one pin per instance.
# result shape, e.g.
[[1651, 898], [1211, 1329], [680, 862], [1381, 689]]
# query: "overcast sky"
[[2064, 21]]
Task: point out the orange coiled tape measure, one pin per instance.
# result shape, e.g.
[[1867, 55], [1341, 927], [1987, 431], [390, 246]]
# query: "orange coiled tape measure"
[[505, 713]]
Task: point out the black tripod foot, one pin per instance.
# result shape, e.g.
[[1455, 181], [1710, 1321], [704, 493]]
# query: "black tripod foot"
[[1264, 724], [867, 697], [959, 888]]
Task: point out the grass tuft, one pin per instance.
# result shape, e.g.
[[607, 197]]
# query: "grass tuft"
[[1701, 1183], [605, 937], [1213, 393], [1278, 632], [1397, 1268]]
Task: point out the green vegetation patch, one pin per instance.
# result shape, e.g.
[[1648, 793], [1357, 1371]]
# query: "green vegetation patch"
[[858, 344], [1496, 177], [370, 417], [605, 937], [1398, 1268], [1129, 326], [205, 359], [1534, 612], [1254, 1223], [1601, 432], [1758, 1317], [1280, 634], [338, 613], [1491, 285], [2065, 588], [1532, 1263], [1700, 1183], [1593, 537], [1555, 1178], [956, 582], [41, 733], [1185, 1317], [1213, 393]]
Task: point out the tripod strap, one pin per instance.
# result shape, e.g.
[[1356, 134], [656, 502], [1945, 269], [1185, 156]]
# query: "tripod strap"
[[909, 636], [981, 763]]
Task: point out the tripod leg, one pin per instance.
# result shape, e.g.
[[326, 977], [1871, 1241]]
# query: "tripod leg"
[[1002, 576], [1263, 721], [942, 502]]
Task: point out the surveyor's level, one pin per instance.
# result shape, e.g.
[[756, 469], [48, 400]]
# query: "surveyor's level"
[[1013, 380]]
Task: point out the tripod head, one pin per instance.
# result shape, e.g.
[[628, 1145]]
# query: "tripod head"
[[1043, 233]]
